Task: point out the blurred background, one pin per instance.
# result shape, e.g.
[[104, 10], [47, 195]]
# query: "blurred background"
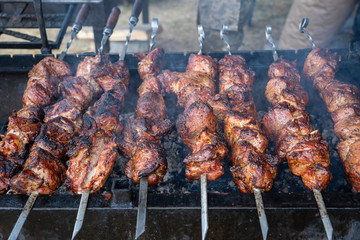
[[178, 28]]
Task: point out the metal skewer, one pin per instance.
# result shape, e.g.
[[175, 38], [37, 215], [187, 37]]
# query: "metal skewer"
[[225, 38], [81, 213], [271, 41], [319, 199], [134, 18], [303, 24], [201, 38], [203, 178], [110, 25], [22, 218], [323, 213], [261, 212], [77, 26], [257, 193], [155, 27], [141, 214], [204, 206], [80, 18]]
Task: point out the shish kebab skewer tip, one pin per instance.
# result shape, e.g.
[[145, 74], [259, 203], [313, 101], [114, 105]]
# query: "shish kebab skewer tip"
[[76, 28], [141, 214], [318, 197], [108, 30]]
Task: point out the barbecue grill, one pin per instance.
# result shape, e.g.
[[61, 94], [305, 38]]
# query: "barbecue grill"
[[174, 204]]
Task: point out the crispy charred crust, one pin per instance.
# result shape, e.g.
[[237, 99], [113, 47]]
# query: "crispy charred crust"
[[342, 102], [142, 133], [93, 154], [42, 173], [289, 125], [251, 167], [24, 125], [197, 127]]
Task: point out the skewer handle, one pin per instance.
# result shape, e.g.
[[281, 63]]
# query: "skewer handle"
[[22, 218], [204, 206], [110, 25], [76, 28], [134, 18], [113, 18], [82, 15], [135, 12]]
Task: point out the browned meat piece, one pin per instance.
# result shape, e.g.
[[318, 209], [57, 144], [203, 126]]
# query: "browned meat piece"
[[79, 90], [44, 78], [105, 73], [321, 62], [91, 162], [342, 101], [8, 167], [24, 125], [289, 125], [141, 141], [197, 129], [284, 69], [93, 153], [195, 90], [55, 136], [349, 151], [104, 115], [251, 167], [62, 123], [42, 173]]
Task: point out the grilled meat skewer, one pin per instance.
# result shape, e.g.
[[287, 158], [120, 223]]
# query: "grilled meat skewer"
[[342, 102], [252, 167], [24, 125], [289, 125], [142, 134], [44, 170], [198, 124], [93, 153]]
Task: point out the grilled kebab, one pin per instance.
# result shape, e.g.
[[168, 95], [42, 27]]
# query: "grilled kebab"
[[343, 103], [24, 125], [44, 170], [198, 124], [93, 153], [289, 125], [141, 142], [251, 166]]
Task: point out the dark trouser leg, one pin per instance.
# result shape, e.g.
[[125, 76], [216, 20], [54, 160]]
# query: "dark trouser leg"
[[213, 43]]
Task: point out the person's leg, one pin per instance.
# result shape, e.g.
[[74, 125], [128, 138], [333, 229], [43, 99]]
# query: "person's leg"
[[213, 42], [326, 19]]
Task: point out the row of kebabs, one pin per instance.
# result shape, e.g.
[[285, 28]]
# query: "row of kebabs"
[[74, 121]]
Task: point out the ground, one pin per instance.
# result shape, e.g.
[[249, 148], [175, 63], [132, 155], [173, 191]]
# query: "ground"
[[177, 19]]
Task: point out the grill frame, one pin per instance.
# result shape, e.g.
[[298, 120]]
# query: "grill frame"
[[120, 196]]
